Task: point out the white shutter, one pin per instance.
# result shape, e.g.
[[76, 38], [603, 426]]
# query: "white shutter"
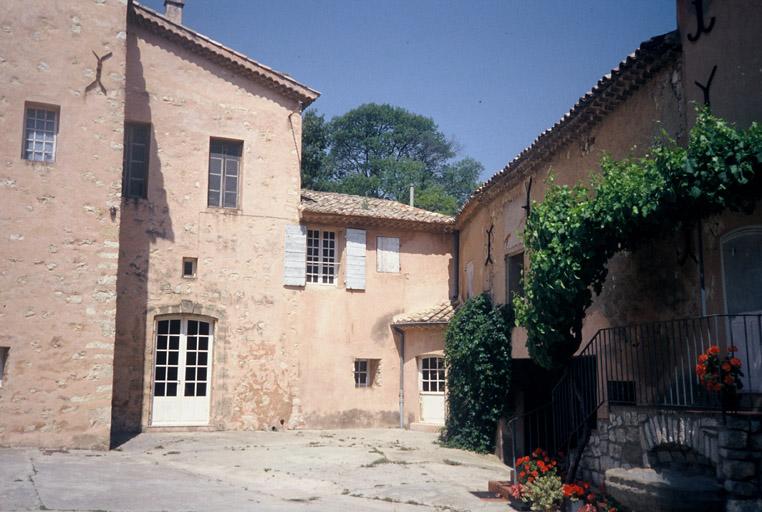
[[355, 278], [295, 255], [387, 254]]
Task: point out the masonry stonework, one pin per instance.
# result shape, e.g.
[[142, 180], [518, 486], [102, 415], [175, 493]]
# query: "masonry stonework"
[[59, 221]]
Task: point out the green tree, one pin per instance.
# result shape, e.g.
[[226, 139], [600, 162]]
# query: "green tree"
[[315, 141], [380, 151]]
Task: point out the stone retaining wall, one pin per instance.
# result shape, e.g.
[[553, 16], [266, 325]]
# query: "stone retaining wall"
[[729, 447]]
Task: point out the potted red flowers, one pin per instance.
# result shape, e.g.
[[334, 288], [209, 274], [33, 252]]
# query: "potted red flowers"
[[721, 375]]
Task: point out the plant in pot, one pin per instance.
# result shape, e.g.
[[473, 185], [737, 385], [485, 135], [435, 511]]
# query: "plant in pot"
[[574, 494], [538, 485], [721, 375]]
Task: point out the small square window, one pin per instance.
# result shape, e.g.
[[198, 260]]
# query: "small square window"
[[362, 377], [3, 358], [40, 133], [189, 267]]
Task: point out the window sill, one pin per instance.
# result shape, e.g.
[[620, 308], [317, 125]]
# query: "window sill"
[[224, 211]]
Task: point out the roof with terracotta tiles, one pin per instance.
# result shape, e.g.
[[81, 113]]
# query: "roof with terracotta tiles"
[[346, 209], [439, 314], [211, 49], [611, 90]]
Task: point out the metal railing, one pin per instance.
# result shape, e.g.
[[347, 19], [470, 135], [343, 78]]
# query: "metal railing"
[[644, 365]]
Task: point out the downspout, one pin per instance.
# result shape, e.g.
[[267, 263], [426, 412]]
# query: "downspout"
[[456, 264], [402, 374]]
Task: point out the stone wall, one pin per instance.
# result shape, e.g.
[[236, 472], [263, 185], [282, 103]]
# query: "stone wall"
[[59, 223], [729, 449]]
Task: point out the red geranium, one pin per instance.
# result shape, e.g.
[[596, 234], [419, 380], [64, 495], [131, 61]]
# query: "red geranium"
[[717, 374]]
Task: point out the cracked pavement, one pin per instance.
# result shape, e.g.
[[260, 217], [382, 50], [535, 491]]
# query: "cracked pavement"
[[369, 469]]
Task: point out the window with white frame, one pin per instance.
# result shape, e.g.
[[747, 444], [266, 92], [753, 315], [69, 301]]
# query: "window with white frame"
[[321, 256], [362, 373], [432, 375], [40, 133]]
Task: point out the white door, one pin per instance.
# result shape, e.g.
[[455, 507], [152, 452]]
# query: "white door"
[[432, 390], [182, 372]]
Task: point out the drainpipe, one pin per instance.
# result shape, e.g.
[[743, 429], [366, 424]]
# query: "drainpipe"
[[701, 267], [456, 264], [402, 374]]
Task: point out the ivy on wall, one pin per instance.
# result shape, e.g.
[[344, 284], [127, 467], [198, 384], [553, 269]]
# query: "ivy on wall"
[[574, 231], [478, 362]]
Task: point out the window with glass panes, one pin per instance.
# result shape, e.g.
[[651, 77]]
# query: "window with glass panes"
[[432, 375], [41, 129], [321, 256], [362, 373], [135, 165], [182, 357], [224, 173]]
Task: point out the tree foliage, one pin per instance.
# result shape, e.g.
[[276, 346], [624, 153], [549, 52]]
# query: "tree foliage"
[[478, 362], [380, 151], [574, 231]]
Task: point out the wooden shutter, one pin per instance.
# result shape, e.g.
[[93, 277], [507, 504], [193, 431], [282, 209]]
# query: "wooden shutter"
[[355, 278], [469, 279], [387, 254], [295, 255]]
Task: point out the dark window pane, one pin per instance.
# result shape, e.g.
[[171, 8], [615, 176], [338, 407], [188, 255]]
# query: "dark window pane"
[[201, 389], [190, 374], [189, 389], [161, 373], [163, 326], [213, 199], [190, 358], [174, 342], [172, 373], [192, 327], [173, 358], [161, 357], [231, 199], [136, 158], [202, 358], [174, 327], [188, 268], [203, 343], [172, 389], [158, 389], [192, 342], [426, 363], [425, 386], [161, 343], [201, 374], [204, 328]]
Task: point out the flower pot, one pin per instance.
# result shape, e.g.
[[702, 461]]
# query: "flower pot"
[[519, 504], [729, 399]]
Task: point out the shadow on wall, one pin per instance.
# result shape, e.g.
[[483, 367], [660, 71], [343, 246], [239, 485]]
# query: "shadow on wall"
[[143, 222]]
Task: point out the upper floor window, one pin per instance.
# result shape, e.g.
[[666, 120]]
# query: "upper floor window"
[[321, 256], [40, 133], [224, 173], [514, 268], [135, 164]]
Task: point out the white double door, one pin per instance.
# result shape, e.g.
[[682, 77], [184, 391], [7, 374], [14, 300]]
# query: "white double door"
[[431, 389], [182, 372]]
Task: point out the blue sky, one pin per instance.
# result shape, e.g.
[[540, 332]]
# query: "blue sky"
[[492, 73]]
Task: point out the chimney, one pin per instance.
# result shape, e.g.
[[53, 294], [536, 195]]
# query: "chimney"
[[173, 10], [412, 195]]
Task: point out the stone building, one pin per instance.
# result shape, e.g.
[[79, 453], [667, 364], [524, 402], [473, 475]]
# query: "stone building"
[[675, 296], [161, 267]]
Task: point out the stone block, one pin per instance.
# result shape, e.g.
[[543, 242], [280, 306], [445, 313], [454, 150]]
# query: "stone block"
[[736, 423], [738, 470], [734, 505], [733, 439], [743, 489], [756, 442], [755, 426], [615, 451], [726, 453]]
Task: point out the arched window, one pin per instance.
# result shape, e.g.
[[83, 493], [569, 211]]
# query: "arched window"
[[742, 270]]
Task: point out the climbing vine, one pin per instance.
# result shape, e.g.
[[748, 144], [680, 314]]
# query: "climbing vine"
[[574, 231], [478, 362]]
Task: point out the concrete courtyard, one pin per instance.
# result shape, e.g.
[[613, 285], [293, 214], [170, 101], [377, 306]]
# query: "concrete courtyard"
[[339, 470]]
